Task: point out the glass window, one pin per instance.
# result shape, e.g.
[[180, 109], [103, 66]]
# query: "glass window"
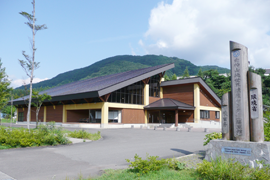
[[132, 94], [20, 116], [204, 114], [217, 114], [154, 86]]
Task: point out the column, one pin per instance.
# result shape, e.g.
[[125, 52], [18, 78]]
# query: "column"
[[145, 117], [146, 94], [104, 115], [45, 114], [17, 118], [64, 120], [197, 103], [161, 88], [176, 118]]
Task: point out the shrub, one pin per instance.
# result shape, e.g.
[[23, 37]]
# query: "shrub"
[[231, 169], [151, 163], [267, 126], [21, 137], [211, 136], [81, 134]]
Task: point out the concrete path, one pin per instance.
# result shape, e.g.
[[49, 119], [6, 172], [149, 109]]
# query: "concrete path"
[[91, 158]]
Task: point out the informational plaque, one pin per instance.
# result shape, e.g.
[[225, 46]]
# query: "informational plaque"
[[237, 92], [254, 111], [236, 151]]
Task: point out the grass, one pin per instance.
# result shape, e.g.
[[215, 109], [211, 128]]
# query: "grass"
[[7, 121], [126, 174], [81, 134]]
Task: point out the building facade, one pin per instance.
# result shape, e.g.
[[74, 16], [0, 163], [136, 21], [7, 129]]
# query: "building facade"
[[134, 97]]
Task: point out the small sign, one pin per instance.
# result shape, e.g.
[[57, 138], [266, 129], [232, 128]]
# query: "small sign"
[[254, 111], [236, 151]]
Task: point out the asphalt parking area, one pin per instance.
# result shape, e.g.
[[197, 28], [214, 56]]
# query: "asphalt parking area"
[[91, 158]]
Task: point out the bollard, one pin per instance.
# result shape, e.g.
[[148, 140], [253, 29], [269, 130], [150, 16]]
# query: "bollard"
[[155, 128], [132, 126], [177, 129], [164, 129], [206, 130], [141, 126], [148, 127], [189, 129]]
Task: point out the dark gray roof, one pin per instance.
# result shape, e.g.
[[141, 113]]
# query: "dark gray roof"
[[100, 86], [167, 103], [192, 81], [267, 71]]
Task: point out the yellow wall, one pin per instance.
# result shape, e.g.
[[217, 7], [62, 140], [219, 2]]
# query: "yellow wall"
[[104, 114]]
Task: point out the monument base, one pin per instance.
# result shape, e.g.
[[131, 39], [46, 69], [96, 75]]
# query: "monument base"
[[247, 153]]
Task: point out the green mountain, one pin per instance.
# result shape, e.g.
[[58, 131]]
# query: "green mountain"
[[124, 63]]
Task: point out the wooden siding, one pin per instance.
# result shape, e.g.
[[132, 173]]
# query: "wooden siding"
[[40, 114], [184, 117], [205, 100], [182, 93], [55, 114], [130, 116], [153, 99], [77, 115]]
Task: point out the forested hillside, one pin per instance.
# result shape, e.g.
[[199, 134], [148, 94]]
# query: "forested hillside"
[[123, 63]]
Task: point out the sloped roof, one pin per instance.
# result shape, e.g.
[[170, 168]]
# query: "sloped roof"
[[194, 80], [167, 103], [267, 71], [100, 86]]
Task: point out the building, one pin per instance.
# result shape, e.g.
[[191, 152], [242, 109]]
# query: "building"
[[134, 97]]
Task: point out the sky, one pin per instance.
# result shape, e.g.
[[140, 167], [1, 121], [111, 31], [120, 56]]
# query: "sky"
[[81, 33]]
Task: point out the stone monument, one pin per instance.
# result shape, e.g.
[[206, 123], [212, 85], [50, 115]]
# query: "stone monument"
[[242, 115]]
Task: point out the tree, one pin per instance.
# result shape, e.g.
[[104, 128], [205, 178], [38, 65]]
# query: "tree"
[[4, 88], [38, 100], [166, 77], [29, 65], [174, 77], [200, 73], [186, 73]]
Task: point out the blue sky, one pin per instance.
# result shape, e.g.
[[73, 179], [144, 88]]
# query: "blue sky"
[[81, 33]]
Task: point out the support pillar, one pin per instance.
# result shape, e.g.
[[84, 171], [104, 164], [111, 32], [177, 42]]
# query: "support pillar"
[[146, 94], [17, 118], [104, 115], [64, 120], [176, 118], [145, 117], [197, 103], [161, 89], [45, 114]]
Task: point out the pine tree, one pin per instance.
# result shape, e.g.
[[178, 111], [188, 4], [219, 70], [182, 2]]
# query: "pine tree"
[[186, 73], [166, 77], [174, 77], [200, 73]]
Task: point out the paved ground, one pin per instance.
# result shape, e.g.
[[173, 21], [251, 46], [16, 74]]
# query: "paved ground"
[[90, 158]]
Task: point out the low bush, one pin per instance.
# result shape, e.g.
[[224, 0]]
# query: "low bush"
[[211, 136], [151, 163], [266, 116], [21, 137], [231, 169], [81, 134]]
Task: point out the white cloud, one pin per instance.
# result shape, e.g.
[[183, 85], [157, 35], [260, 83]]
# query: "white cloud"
[[19, 82], [200, 31]]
